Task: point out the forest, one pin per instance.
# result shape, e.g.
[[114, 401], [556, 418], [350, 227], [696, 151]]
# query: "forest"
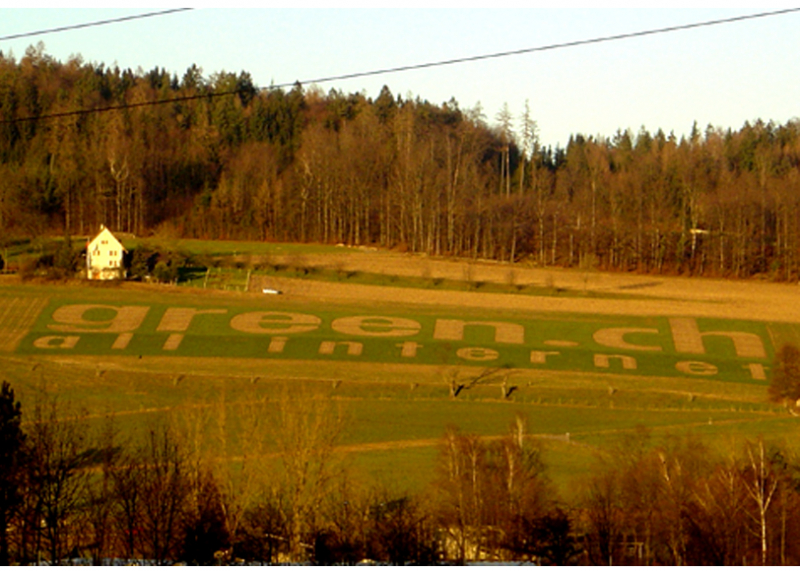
[[217, 157]]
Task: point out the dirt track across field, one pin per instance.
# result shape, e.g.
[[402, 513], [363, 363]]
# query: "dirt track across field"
[[645, 294]]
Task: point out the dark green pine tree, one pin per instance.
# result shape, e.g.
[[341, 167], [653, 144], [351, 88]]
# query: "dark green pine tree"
[[12, 445]]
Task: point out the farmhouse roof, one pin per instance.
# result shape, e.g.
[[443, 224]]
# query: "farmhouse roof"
[[105, 235]]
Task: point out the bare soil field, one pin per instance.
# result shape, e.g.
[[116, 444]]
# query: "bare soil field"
[[644, 294], [647, 294]]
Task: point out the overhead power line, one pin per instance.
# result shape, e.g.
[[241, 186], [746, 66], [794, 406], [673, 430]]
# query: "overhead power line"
[[122, 106], [93, 24], [398, 69], [554, 46]]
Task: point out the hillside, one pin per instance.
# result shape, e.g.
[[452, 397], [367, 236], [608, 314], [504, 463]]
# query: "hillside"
[[583, 364], [227, 160]]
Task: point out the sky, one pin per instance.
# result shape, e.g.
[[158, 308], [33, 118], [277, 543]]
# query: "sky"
[[721, 75]]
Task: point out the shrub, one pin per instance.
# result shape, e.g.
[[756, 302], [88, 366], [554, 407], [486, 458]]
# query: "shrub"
[[65, 258], [27, 268], [785, 383], [165, 272], [143, 261]]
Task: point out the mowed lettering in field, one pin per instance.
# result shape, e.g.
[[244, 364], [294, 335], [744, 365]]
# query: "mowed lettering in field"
[[682, 346]]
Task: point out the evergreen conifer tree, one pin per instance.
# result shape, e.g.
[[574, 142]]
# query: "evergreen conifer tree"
[[12, 446]]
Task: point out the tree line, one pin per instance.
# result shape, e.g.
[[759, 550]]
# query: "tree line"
[[74, 490], [303, 165]]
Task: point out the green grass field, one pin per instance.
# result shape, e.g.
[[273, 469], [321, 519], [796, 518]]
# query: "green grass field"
[[398, 405], [275, 329]]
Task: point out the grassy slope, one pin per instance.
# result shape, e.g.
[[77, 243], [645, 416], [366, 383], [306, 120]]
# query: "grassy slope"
[[392, 414], [395, 405], [212, 335]]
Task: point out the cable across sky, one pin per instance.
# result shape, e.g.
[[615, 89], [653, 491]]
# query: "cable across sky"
[[397, 69], [563, 45], [93, 24]]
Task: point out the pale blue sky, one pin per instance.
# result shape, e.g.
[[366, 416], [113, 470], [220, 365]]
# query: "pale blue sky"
[[722, 75]]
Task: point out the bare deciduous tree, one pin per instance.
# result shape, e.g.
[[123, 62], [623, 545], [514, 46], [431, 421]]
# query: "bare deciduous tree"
[[306, 428], [164, 487], [761, 483], [59, 453]]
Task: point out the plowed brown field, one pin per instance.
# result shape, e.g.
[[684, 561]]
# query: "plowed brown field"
[[645, 294]]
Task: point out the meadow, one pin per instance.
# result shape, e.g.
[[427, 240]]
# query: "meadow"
[[392, 366]]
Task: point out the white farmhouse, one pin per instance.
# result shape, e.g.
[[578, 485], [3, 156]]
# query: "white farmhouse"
[[104, 257]]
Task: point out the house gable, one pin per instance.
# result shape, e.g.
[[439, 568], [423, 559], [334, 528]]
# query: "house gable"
[[104, 255]]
